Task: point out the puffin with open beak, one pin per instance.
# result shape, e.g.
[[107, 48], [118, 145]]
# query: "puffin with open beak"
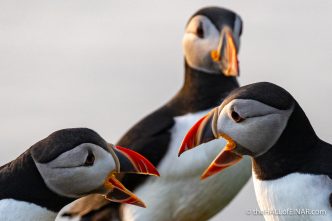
[[292, 167], [126, 161], [65, 166], [211, 44]]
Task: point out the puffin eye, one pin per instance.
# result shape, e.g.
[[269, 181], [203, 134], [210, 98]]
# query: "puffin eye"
[[90, 159], [236, 117], [200, 30]]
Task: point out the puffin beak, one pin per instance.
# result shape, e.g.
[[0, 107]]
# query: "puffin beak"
[[204, 131], [226, 53], [127, 161], [133, 162], [117, 192], [225, 159]]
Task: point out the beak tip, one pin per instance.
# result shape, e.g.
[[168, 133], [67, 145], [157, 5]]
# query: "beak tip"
[[140, 204], [184, 146], [153, 171], [138, 163], [205, 175], [180, 152], [188, 141]]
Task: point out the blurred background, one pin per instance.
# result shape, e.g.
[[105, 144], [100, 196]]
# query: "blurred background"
[[106, 64]]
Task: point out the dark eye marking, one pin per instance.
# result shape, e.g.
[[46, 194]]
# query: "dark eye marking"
[[236, 117], [90, 159], [200, 30]]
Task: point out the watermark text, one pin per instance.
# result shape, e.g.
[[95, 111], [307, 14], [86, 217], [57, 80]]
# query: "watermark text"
[[286, 212]]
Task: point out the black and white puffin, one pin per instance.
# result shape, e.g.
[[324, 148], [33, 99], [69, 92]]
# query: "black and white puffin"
[[291, 166], [66, 165], [211, 42]]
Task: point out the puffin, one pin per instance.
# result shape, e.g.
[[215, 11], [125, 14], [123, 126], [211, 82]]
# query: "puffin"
[[210, 44], [291, 165], [66, 165]]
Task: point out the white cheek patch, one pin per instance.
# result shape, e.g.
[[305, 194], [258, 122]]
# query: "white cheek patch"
[[263, 132], [77, 157], [250, 108], [77, 181], [261, 128], [197, 50], [237, 28]]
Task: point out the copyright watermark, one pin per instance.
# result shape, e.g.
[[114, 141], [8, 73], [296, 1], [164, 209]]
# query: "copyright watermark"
[[286, 212]]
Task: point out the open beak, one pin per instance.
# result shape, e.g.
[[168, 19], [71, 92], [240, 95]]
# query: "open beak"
[[225, 159], [127, 161], [226, 54], [117, 192], [204, 131]]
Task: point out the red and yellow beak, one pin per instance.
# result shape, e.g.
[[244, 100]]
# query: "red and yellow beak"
[[204, 131], [133, 162], [225, 159], [226, 54], [128, 161]]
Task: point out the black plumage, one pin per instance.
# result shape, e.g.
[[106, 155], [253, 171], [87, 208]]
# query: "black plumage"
[[20, 180], [219, 17], [298, 149], [61, 141]]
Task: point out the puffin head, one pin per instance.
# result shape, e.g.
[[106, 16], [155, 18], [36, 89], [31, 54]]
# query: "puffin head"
[[211, 41], [252, 119], [77, 162]]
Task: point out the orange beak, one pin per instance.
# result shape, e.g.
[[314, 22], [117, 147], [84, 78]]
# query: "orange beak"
[[225, 159], [128, 161], [119, 193], [204, 131], [226, 54]]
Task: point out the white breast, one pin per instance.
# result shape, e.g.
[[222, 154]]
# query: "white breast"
[[295, 197], [13, 210], [179, 194]]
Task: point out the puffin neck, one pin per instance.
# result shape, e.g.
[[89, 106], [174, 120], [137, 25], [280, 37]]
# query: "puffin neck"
[[20, 180], [295, 151], [202, 90]]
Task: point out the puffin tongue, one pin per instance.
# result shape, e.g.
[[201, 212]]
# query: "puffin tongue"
[[225, 159]]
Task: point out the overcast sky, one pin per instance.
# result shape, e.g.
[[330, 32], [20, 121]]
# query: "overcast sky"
[[106, 64]]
